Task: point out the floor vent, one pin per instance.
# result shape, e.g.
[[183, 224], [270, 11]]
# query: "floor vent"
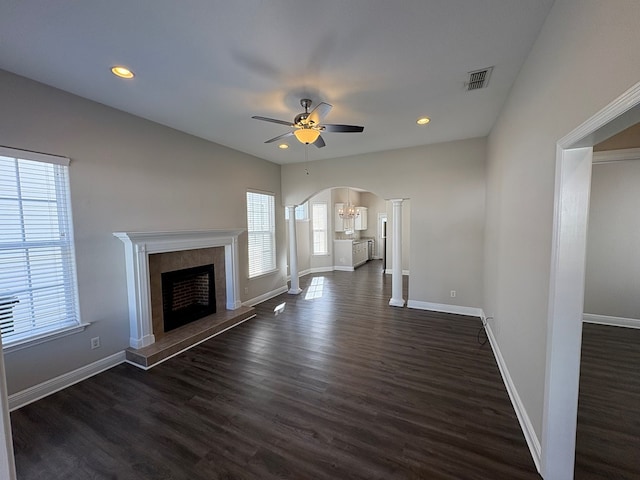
[[478, 79]]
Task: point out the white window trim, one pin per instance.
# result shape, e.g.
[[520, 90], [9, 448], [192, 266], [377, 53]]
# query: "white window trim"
[[306, 211], [326, 231], [275, 247], [10, 345]]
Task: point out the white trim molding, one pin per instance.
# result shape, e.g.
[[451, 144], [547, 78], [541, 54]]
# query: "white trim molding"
[[312, 270], [265, 296], [138, 247], [610, 156], [320, 269], [613, 321], [445, 308], [44, 389], [605, 118], [388, 271], [521, 413], [341, 268]]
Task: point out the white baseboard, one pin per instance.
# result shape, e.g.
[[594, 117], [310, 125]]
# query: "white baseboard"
[[341, 268], [525, 422], [44, 389], [389, 271], [312, 270], [301, 273], [265, 296], [321, 269], [443, 307], [614, 321]]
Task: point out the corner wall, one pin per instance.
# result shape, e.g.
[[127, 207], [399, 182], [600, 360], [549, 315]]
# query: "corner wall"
[[580, 62]]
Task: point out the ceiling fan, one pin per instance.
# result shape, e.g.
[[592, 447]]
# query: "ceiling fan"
[[308, 125]]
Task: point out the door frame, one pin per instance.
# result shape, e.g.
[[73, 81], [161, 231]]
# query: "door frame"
[[566, 287]]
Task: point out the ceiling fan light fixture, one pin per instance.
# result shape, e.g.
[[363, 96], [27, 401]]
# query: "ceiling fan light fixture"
[[283, 146], [306, 135], [423, 120]]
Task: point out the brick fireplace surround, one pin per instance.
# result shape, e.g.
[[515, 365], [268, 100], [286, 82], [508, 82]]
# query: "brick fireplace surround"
[[147, 256]]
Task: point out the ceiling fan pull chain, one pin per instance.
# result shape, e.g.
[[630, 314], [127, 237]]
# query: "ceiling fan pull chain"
[[306, 158]]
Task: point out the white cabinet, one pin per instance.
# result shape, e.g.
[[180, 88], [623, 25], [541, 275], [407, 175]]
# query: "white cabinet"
[[360, 253], [349, 254], [358, 223], [338, 221], [361, 220]]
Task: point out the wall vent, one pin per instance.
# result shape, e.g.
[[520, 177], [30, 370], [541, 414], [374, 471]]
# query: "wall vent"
[[478, 79]]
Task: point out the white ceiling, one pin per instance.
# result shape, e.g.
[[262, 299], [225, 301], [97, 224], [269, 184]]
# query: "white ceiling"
[[206, 66]]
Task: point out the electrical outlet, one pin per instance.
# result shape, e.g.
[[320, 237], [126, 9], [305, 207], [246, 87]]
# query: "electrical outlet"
[[246, 290], [95, 343], [453, 293]]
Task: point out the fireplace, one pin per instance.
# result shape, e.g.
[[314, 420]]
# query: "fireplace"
[[150, 254], [188, 294]]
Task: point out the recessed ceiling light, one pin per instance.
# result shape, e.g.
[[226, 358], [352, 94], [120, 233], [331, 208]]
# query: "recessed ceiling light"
[[122, 72], [423, 121], [283, 146]]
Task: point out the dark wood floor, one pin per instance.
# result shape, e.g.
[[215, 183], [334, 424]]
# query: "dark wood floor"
[[608, 433], [340, 386]]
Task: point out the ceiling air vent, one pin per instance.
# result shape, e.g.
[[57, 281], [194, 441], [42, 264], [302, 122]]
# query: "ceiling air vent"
[[478, 79]]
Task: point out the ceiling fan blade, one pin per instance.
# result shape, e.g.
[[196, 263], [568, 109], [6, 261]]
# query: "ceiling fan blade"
[[317, 114], [342, 128], [319, 142], [279, 137], [273, 120]]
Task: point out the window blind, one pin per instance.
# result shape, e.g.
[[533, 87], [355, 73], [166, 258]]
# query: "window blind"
[[302, 212], [37, 262], [319, 225], [261, 232]]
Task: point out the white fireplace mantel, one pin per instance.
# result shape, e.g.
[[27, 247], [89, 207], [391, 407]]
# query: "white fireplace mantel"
[[138, 246]]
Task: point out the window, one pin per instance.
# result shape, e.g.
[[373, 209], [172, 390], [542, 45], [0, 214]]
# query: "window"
[[37, 264], [302, 212], [319, 223], [262, 233]]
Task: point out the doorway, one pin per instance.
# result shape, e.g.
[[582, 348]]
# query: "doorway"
[[382, 240], [566, 291]]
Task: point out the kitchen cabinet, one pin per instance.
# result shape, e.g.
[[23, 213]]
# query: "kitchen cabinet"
[[361, 220], [360, 253], [349, 254]]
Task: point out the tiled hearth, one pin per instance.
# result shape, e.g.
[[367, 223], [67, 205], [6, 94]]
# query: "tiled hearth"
[[188, 336], [150, 254]]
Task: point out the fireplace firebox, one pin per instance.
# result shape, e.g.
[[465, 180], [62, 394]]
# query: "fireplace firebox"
[[187, 295]]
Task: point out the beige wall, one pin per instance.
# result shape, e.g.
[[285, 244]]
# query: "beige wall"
[[126, 174], [445, 183], [376, 205], [612, 284], [580, 63]]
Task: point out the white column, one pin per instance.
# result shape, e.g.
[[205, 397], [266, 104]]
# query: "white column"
[[293, 252], [396, 255]]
